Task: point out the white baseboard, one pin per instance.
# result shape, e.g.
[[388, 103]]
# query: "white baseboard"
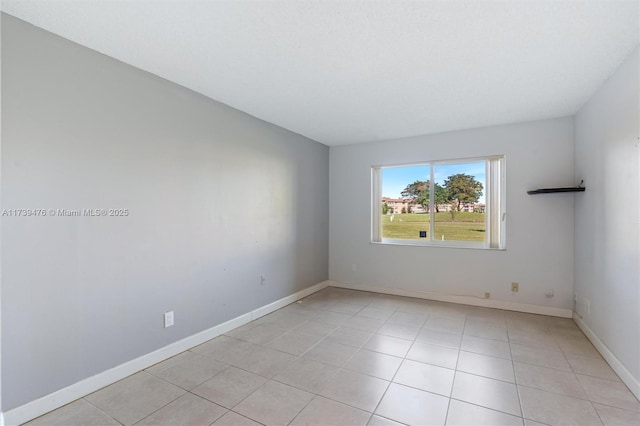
[[267, 309], [627, 378], [464, 300], [57, 399]]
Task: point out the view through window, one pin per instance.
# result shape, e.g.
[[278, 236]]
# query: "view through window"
[[440, 202]]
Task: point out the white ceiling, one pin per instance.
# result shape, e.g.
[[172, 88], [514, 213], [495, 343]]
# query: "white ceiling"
[[352, 71]]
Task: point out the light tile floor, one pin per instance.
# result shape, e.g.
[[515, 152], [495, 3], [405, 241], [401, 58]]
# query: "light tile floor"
[[343, 357]]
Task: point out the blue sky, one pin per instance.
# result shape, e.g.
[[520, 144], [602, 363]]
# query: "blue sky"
[[395, 179]]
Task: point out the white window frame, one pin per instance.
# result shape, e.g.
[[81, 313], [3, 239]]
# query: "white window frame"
[[495, 213]]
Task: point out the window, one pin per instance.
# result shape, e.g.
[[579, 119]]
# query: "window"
[[455, 203]]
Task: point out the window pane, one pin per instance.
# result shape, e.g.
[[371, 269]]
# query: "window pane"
[[460, 203], [405, 203]]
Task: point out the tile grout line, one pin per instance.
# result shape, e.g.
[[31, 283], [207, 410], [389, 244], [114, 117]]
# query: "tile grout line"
[[515, 377], [455, 373]]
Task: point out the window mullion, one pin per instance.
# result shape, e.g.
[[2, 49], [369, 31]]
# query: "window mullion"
[[376, 214], [432, 215]]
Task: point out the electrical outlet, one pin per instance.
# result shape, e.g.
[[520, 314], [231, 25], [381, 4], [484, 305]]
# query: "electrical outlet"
[[168, 319], [262, 279], [515, 287], [487, 295], [549, 294]]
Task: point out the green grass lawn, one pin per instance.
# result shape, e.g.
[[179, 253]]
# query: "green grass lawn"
[[466, 227]]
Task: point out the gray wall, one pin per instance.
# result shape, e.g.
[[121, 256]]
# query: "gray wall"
[[539, 238], [216, 199], [607, 219]]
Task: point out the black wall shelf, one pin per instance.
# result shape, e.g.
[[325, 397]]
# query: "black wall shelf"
[[552, 190], [578, 188]]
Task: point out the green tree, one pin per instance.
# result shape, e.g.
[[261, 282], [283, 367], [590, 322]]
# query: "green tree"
[[463, 188], [418, 193], [385, 208], [440, 196]]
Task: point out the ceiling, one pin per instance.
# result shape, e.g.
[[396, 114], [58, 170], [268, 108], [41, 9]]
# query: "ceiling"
[[350, 71]]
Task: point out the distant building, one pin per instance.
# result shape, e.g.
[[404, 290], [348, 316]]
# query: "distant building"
[[396, 205]]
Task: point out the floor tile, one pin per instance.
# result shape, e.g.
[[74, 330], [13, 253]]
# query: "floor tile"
[[581, 347], [426, 377], [487, 366], [449, 310], [374, 364], [408, 318], [265, 362], [612, 416], [464, 414], [234, 419], [344, 308], [451, 325], [607, 392], [592, 367], [306, 374], [413, 406], [388, 345], [489, 393], [554, 409], [355, 297], [298, 308], [483, 320], [225, 349], [376, 313], [438, 337], [333, 318], [384, 301], [539, 356], [294, 342], [349, 336], [77, 413], [539, 340], [486, 346], [274, 404], [381, 421], [566, 330], [331, 352], [316, 328], [486, 332], [434, 354], [528, 422], [322, 412], [415, 306], [135, 397], [229, 387], [363, 323], [261, 333], [399, 330], [523, 321], [355, 389], [187, 369], [548, 379], [189, 409], [285, 319]]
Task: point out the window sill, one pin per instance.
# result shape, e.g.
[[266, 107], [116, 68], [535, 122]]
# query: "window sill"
[[438, 244]]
